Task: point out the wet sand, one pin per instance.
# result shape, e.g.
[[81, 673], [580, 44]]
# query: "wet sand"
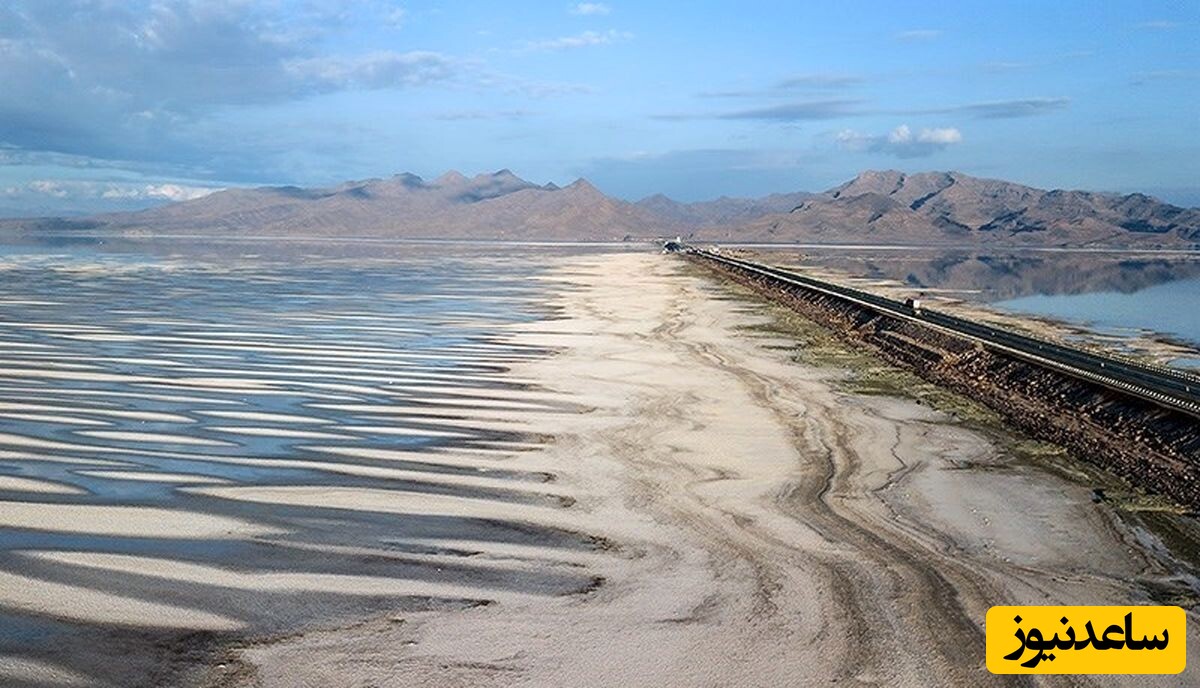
[[252, 449], [759, 527], [685, 506]]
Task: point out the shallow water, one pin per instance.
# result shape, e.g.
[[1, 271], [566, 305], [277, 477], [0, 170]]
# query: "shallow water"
[[164, 364], [161, 412], [1112, 293], [1171, 308]]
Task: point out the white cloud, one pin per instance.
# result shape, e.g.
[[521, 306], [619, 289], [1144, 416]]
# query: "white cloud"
[[918, 35], [461, 115], [901, 142], [998, 109], [1007, 66], [395, 17], [1161, 75], [170, 192], [382, 69], [1158, 25], [144, 81], [591, 8], [581, 40], [48, 187], [1005, 109], [90, 190], [944, 136]]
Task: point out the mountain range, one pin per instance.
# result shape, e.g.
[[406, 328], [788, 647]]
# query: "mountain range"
[[876, 207], [954, 208]]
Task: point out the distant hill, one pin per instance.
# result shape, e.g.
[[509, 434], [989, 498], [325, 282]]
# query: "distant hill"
[[934, 208], [954, 208], [724, 210], [488, 206]]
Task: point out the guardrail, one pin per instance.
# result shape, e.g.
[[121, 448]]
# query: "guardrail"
[[1171, 388]]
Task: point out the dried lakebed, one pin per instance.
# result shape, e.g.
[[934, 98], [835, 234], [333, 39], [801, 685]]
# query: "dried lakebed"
[[445, 471]]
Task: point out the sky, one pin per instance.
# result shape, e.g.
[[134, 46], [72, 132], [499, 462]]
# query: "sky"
[[108, 104]]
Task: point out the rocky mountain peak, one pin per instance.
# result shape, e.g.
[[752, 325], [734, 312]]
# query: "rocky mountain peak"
[[451, 178]]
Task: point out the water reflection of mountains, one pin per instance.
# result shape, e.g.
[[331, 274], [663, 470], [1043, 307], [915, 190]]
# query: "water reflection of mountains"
[[283, 250], [996, 277], [976, 275]]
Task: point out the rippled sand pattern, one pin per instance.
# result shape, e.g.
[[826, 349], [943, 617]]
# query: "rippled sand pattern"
[[188, 453]]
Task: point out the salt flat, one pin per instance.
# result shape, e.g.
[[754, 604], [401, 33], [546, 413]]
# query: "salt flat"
[[612, 491], [761, 527]]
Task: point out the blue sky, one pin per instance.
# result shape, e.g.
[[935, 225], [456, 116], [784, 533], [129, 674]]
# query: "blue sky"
[[110, 104]]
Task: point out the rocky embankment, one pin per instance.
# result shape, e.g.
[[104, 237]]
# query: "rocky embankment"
[[1152, 447]]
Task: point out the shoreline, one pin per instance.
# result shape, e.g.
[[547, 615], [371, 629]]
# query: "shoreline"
[[862, 374], [1156, 347], [652, 479], [762, 526]]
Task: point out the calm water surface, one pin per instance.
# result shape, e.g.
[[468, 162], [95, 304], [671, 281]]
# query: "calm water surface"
[[1114, 293], [1171, 308], [177, 424]]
